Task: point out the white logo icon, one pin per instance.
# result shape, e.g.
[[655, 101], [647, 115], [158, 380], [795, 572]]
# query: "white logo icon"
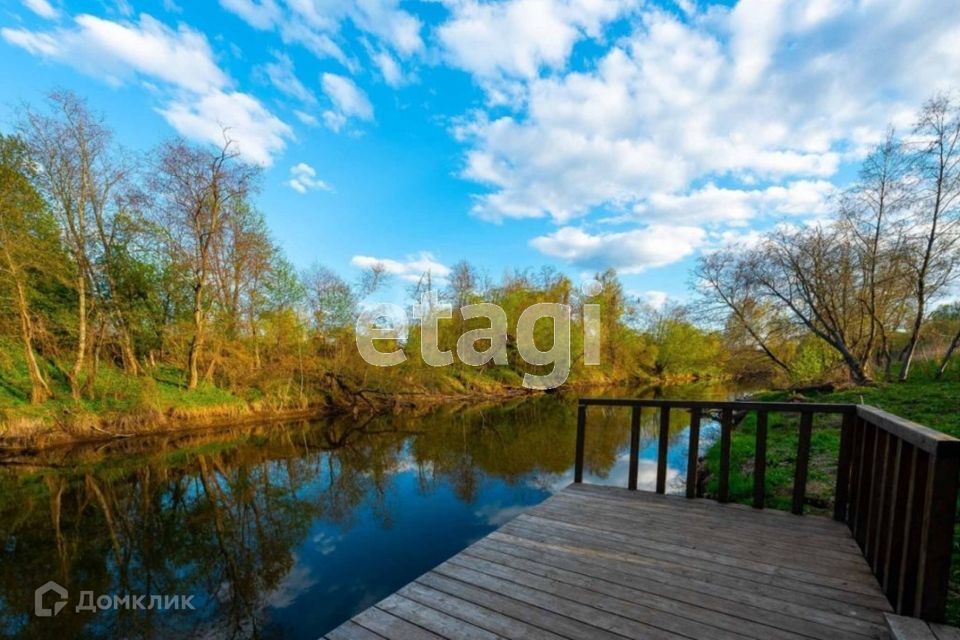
[[46, 612]]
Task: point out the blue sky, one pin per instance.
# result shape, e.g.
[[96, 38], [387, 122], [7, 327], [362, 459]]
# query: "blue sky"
[[513, 133]]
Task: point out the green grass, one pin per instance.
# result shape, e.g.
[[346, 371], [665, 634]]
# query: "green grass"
[[113, 393], [923, 399]]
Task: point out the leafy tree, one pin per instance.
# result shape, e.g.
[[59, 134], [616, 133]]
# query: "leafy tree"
[[28, 243]]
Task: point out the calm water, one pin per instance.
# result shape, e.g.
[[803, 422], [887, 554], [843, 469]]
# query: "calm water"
[[285, 531]]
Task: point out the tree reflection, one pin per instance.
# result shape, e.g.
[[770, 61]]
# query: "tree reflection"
[[221, 515]]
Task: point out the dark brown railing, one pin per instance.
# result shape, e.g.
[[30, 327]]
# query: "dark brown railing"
[[896, 485]]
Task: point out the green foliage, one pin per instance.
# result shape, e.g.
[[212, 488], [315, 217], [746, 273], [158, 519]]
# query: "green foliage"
[[684, 349], [813, 361]]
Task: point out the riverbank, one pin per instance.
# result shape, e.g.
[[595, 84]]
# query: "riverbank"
[[121, 407], [925, 400]]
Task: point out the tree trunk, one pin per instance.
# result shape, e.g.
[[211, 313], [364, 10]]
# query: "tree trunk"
[[130, 364], [77, 371], [949, 354], [196, 343], [39, 391], [857, 371], [914, 340]]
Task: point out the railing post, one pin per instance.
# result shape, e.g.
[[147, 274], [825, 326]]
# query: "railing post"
[[803, 462], [842, 491], [939, 510], [760, 462], [581, 433], [635, 415], [662, 450], [693, 453], [726, 425]]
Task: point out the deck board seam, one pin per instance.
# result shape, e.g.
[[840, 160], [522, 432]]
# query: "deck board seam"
[[867, 634], [677, 571], [476, 605], [707, 566], [552, 612], [797, 574], [438, 570], [693, 593]]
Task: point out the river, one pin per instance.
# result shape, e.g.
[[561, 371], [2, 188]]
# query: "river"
[[286, 530]]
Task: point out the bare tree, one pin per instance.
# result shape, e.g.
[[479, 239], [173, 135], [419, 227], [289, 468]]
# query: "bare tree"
[[332, 301], [198, 190], [874, 213], [372, 279], [814, 274], [936, 231], [462, 283], [727, 287]]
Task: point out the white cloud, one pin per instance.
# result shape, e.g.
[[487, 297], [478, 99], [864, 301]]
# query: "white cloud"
[[42, 8], [628, 251], [654, 299], [409, 270], [283, 77], [713, 204], [516, 38], [303, 178], [317, 25], [259, 134], [199, 99], [259, 14], [389, 68], [762, 97], [121, 50], [348, 100], [306, 118]]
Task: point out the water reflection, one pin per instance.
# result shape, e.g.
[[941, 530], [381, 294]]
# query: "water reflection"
[[287, 530]]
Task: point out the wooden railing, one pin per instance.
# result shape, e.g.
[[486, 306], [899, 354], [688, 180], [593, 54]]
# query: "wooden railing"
[[896, 483]]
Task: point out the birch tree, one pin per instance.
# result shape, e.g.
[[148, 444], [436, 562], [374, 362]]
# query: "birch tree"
[[198, 189], [937, 215]]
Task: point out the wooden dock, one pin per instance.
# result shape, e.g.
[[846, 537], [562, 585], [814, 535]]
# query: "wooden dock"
[[605, 562], [612, 563]]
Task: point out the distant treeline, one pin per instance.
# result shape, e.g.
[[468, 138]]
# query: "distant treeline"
[[119, 266], [121, 270]]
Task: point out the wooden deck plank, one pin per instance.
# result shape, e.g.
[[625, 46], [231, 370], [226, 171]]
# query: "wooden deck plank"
[[722, 562], [687, 597], [642, 500], [943, 632], [391, 627], [760, 520], [476, 614], [645, 556], [721, 622], [350, 630], [600, 562], [542, 618], [592, 593], [434, 620], [812, 622], [741, 539], [581, 559], [576, 609]]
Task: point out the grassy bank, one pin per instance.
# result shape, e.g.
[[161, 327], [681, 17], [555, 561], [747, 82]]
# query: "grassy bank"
[[115, 403], [923, 399]]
